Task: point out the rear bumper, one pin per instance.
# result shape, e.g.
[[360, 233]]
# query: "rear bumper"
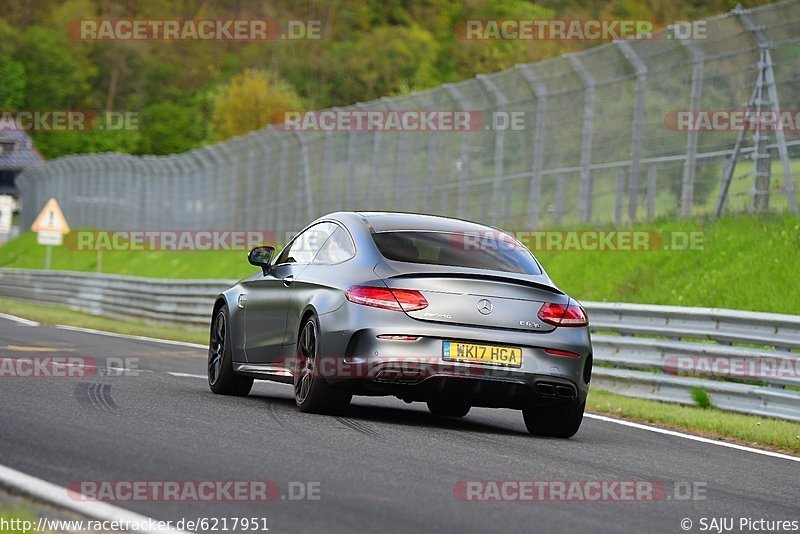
[[352, 356]]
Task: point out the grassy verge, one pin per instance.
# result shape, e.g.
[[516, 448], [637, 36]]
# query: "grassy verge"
[[18, 518], [745, 429], [24, 253], [761, 250], [758, 250], [749, 430], [55, 315]]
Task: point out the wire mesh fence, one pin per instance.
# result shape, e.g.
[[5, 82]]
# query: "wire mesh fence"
[[595, 147]]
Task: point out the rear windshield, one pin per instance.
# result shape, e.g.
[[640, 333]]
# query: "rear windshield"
[[493, 251]]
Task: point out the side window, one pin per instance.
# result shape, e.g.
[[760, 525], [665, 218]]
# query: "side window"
[[306, 245], [338, 248]]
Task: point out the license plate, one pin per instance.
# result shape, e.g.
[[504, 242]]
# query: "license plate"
[[492, 354]]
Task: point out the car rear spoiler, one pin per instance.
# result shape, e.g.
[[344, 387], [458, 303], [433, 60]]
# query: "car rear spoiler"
[[480, 276]]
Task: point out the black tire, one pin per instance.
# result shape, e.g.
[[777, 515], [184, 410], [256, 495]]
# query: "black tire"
[[221, 377], [561, 421], [448, 408], [312, 393]]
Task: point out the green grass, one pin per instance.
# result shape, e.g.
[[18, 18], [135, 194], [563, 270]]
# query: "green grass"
[[55, 315], [24, 253], [18, 516], [747, 263], [710, 422], [700, 397]]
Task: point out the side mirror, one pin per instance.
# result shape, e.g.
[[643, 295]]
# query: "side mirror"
[[261, 257]]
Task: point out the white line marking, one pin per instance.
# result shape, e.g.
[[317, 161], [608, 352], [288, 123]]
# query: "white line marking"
[[51, 493], [20, 320], [691, 437], [128, 336], [589, 415], [187, 375]]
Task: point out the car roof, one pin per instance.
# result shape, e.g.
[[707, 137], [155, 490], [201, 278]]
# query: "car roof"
[[386, 221]]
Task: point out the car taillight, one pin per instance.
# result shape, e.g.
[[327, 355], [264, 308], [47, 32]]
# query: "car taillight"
[[557, 352], [388, 299], [570, 314]]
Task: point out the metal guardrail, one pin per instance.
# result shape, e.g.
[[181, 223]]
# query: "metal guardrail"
[[639, 350], [186, 303], [647, 351]]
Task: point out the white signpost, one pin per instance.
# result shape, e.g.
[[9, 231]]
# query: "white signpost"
[[50, 227], [6, 214]]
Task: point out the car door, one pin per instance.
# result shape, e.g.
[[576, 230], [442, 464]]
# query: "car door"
[[318, 276], [268, 296]]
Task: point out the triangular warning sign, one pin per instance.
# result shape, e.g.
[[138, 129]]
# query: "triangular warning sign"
[[51, 219]]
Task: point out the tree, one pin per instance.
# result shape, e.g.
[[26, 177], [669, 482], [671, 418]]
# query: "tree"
[[168, 128], [56, 77], [385, 61], [12, 89], [251, 101]]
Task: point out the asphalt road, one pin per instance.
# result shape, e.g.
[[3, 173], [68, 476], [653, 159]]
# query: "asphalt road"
[[384, 467]]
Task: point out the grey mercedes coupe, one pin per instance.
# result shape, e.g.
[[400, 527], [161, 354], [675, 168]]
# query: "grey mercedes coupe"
[[448, 312]]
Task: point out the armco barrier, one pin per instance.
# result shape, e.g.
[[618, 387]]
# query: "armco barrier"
[[636, 346]]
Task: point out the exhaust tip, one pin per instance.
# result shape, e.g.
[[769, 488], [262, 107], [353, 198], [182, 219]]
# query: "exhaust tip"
[[565, 392], [550, 389], [546, 390]]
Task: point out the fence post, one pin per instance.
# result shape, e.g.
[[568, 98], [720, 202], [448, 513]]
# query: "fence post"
[[373, 169], [431, 170], [560, 186], [690, 163], [326, 205], [400, 160], [463, 169], [181, 192], [225, 185], [92, 192], [349, 187], [306, 186], [638, 124], [499, 146], [57, 184], [780, 137], [619, 197], [279, 204], [132, 191], [169, 196], [585, 193], [765, 65], [535, 192], [354, 187], [266, 157], [652, 178]]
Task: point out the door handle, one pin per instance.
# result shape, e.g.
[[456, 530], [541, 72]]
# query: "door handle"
[[288, 280]]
